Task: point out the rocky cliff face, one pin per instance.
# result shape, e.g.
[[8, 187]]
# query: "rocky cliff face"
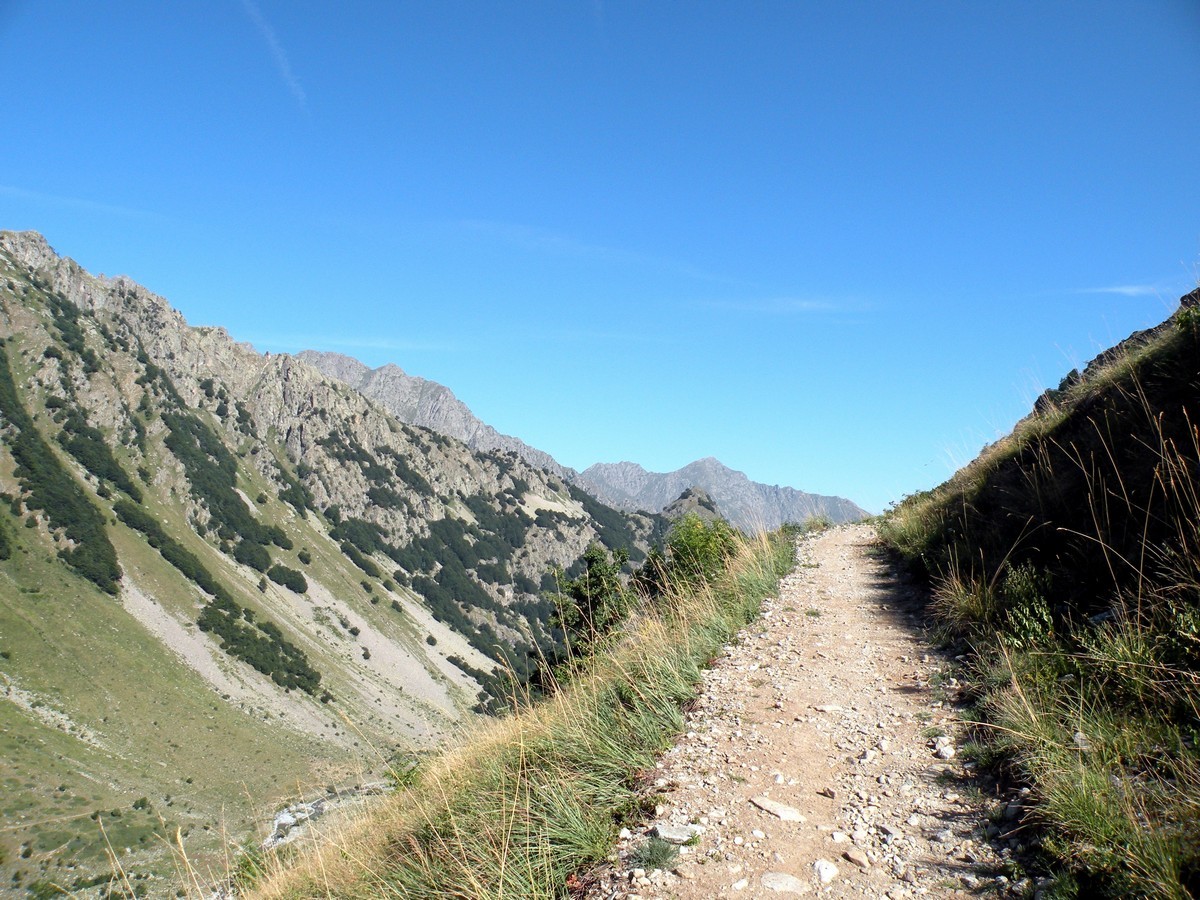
[[744, 503], [419, 401]]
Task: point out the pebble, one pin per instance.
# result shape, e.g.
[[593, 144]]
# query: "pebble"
[[857, 857], [676, 834]]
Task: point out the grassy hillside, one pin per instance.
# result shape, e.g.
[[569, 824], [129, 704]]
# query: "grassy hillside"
[[1066, 558]]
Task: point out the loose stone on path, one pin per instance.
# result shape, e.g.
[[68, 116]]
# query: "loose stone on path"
[[777, 809]]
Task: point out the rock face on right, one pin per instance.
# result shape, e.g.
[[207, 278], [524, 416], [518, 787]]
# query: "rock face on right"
[[745, 503]]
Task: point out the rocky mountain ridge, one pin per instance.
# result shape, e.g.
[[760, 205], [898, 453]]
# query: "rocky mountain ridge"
[[744, 503], [419, 401]]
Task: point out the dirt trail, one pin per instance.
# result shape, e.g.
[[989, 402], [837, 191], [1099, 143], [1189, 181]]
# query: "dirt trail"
[[824, 712]]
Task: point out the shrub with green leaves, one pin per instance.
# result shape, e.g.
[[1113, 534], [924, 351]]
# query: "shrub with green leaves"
[[593, 604], [291, 579], [51, 488]]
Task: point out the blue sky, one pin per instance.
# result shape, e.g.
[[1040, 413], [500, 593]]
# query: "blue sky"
[[838, 246]]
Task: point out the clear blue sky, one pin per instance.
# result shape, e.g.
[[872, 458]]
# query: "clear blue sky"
[[838, 246]]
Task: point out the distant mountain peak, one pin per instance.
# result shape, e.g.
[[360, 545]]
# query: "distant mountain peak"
[[745, 503], [626, 485]]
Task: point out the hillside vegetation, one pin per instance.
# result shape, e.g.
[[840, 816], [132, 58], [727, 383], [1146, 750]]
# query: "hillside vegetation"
[[528, 801], [1066, 560], [225, 578]]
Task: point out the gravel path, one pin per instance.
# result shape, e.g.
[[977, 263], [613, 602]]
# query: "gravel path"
[[812, 762]]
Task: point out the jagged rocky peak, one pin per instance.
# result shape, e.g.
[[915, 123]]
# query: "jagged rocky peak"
[[336, 365], [419, 401]]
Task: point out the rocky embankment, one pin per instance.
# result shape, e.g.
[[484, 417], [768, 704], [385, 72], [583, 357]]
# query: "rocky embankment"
[[821, 757]]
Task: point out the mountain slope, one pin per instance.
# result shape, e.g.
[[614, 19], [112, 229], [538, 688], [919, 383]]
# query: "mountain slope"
[[223, 574], [419, 401], [745, 503]]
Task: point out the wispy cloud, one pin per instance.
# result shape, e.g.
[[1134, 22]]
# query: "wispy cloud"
[[278, 54], [1125, 290], [544, 240], [774, 306], [79, 203]]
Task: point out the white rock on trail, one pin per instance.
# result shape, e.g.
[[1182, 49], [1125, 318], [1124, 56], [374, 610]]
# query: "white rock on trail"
[[826, 871], [676, 834], [777, 809], [783, 883]]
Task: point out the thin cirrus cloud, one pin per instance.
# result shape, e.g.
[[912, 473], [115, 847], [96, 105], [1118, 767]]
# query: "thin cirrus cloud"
[[1127, 290], [78, 203], [278, 54], [543, 240], [775, 306]]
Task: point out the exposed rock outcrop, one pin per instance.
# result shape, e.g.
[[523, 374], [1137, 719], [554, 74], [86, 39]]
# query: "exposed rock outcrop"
[[418, 401]]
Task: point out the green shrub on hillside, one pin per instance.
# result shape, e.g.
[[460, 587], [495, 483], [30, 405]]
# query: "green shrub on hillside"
[[212, 474], [89, 448], [289, 578], [353, 554], [615, 530], [243, 636], [696, 551], [592, 605], [51, 489], [262, 646], [253, 555], [66, 317], [295, 494]]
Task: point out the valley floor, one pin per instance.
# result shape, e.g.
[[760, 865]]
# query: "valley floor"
[[827, 710]]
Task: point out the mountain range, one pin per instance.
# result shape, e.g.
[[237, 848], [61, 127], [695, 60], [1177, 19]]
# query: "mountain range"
[[747, 504], [744, 503]]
